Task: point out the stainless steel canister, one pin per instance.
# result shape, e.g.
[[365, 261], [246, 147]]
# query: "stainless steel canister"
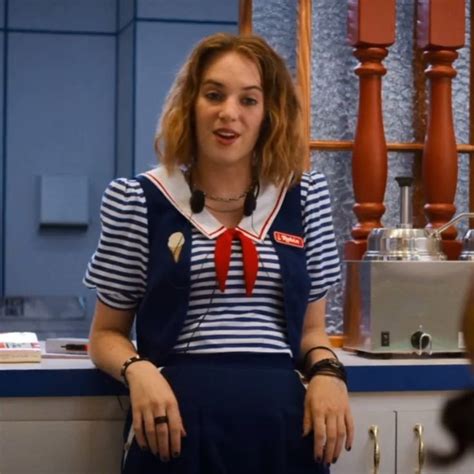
[[468, 246]]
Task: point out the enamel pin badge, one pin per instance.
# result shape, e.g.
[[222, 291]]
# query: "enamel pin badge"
[[289, 239], [175, 244]]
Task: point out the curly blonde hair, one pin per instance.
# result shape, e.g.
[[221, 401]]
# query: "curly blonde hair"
[[280, 147]]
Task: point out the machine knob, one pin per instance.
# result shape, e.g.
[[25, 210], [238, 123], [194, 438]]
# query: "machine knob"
[[420, 340]]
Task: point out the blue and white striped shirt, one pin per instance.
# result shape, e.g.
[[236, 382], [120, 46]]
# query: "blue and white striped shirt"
[[216, 322]]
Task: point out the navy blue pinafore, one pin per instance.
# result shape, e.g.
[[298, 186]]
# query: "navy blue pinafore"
[[243, 412]]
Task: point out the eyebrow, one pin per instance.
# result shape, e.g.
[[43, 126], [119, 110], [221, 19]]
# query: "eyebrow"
[[222, 86]]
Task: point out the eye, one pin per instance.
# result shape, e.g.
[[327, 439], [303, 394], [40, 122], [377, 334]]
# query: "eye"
[[249, 101], [213, 96]]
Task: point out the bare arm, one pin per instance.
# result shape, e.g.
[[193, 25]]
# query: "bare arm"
[[110, 345], [327, 410], [150, 394], [314, 332]]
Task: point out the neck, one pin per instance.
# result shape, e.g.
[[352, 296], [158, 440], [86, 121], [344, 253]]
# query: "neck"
[[223, 182]]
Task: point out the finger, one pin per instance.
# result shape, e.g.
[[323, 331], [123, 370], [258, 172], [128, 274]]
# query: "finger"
[[319, 427], [162, 438], [175, 429], [150, 434], [307, 426], [137, 423], [331, 434], [340, 437], [350, 430]]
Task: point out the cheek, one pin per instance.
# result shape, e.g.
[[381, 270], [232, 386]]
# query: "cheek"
[[202, 116], [257, 126]]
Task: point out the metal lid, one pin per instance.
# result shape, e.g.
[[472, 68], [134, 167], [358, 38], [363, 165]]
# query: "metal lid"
[[403, 244]]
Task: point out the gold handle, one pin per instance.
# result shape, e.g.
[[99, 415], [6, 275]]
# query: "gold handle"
[[421, 447], [374, 434]]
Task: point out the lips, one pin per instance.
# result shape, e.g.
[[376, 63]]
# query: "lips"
[[226, 136]]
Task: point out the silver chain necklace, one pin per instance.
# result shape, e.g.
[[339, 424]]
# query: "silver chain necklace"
[[225, 199]]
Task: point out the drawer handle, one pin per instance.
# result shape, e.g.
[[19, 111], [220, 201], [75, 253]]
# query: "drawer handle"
[[374, 434], [418, 429]]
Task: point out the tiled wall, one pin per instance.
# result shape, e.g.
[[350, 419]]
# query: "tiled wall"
[[83, 85], [154, 41]]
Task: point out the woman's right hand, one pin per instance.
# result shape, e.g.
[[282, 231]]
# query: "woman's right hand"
[[151, 396]]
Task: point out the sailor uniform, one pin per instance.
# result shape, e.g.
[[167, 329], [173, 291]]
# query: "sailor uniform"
[[234, 343]]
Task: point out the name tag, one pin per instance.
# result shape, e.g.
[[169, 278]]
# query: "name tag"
[[289, 239]]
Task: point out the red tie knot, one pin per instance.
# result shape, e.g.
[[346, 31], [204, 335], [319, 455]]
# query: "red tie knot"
[[249, 256]]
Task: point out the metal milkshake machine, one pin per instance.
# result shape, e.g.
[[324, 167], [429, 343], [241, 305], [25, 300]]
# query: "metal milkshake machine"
[[404, 297]]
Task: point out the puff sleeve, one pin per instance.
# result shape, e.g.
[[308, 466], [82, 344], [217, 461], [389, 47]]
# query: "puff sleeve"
[[321, 249], [118, 267]]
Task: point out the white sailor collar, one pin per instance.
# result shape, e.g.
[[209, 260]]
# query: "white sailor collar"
[[175, 188]]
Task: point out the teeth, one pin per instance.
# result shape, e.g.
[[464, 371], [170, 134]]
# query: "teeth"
[[226, 134]]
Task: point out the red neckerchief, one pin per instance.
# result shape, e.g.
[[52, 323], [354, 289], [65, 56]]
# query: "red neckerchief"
[[249, 258]]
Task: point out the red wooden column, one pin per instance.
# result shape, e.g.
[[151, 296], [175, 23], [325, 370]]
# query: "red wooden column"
[[440, 31], [371, 31], [303, 70], [245, 17]]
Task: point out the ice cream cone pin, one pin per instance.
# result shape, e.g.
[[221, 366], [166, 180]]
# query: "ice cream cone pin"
[[175, 244]]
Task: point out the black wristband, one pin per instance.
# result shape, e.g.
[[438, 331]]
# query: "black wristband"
[[127, 364], [308, 352], [330, 367]]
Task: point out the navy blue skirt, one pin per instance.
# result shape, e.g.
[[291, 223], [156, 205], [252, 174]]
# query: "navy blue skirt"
[[243, 414]]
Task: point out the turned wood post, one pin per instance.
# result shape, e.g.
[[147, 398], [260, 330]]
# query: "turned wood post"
[[440, 31], [303, 79], [245, 17], [371, 31]]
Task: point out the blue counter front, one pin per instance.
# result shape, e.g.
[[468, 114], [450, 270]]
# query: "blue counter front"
[[78, 377]]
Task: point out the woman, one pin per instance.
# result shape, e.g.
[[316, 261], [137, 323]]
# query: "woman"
[[224, 253]]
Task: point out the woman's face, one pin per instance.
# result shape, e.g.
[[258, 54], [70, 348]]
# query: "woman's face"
[[229, 111]]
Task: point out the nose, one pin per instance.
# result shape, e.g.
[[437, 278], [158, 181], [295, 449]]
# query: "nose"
[[229, 110]]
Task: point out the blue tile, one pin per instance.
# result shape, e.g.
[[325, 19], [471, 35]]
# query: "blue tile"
[[66, 15], [2, 158], [203, 10], [60, 121], [157, 65], [126, 12], [64, 201], [125, 104], [2, 13]]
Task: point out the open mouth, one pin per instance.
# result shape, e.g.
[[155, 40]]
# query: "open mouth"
[[226, 136]]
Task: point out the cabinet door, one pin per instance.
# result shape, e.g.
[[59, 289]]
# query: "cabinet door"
[[360, 460], [433, 437], [69, 446]]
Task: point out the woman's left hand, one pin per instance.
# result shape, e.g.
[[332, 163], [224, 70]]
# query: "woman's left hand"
[[328, 414]]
